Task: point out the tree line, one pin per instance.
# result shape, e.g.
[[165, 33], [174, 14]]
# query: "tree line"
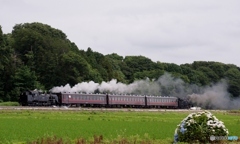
[[37, 56]]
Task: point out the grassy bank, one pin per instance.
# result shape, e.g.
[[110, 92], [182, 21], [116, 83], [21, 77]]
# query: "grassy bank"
[[9, 104]]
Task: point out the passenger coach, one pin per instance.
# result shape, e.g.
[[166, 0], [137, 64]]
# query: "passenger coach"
[[94, 100], [126, 101]]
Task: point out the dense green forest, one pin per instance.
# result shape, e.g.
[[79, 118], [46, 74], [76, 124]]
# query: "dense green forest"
[[37, 56]]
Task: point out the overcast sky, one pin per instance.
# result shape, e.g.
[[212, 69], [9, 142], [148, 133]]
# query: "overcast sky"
[[172, 31]]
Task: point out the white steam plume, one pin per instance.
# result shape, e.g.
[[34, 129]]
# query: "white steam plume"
[[215, 96]]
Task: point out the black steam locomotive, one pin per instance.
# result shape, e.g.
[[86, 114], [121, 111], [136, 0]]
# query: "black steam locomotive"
[[35, 98]]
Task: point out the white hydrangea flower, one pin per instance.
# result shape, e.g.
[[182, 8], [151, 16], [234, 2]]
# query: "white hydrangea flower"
[[206, 120]]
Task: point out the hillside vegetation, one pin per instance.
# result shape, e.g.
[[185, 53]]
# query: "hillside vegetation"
[[37, 56]]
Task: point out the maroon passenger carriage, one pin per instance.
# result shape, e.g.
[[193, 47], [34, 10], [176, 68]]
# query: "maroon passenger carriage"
[[161, 102], [80, 99], [126, 101]]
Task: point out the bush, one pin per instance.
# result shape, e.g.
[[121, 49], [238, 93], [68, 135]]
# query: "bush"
[[9, 104], [198, 127]]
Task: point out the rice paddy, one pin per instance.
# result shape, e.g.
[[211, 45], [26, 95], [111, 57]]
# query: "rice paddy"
[[23, 126]]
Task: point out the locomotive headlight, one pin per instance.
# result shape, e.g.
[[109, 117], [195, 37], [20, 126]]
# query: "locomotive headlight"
[[69, 96]]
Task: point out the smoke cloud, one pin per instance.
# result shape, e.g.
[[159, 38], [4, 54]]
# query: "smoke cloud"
[[215, 96]]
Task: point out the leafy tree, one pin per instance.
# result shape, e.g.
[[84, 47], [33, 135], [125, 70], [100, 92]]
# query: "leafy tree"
[[159, 66], [133, 64], [8, 64], [212, 76], [115, 61], [233, 76], [74, 68], [218, 68], [41, 48], [198, 77], [171, 67], [139, 63], [24, 79]]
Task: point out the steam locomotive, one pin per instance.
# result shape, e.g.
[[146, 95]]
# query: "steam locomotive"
[[35, 98]]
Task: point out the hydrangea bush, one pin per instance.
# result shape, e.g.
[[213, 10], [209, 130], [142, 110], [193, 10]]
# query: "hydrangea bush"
[[198, 127]]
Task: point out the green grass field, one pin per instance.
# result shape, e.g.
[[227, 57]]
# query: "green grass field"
[[29, 125]]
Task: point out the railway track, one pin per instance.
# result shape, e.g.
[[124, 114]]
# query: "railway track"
[[64, 108]]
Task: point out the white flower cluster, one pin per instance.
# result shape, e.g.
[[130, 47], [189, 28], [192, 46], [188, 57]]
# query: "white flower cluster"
[[210, 121]]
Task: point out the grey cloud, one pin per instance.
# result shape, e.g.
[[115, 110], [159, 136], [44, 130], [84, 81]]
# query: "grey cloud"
[[169, 31]]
